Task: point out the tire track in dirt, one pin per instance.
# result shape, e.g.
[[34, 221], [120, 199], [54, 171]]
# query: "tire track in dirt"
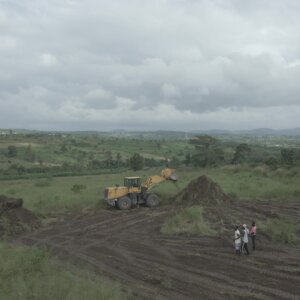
[[128, 247], [258, 262], [274, 291]]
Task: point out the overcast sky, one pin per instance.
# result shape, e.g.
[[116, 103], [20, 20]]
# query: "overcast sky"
[[149, 65]]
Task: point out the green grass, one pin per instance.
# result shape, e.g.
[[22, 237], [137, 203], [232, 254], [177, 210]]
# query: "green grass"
[[245, 183], [79, 149], [189, 221], [30, 273], [282, 231], [55, 195]]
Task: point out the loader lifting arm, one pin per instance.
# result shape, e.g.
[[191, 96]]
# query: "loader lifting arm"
[[135, 193], [166, 174]]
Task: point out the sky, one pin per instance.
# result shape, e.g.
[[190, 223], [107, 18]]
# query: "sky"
[[149, 65]]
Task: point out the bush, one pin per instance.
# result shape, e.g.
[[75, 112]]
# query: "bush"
[[77, 188], [136, 162], [42, 183], [11, 151], [282, 231], [189, 220]]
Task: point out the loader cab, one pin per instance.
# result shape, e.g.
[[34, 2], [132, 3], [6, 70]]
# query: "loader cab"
[[132, 182]]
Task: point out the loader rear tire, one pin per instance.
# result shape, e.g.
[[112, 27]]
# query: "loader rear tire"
[[152, 200], [124, 203]]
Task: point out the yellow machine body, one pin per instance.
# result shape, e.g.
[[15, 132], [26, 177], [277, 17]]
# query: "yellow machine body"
[[136, 192], [112, 194]]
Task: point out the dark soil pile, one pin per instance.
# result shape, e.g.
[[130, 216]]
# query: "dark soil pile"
[[8, 203], [202, 191], [15, 219]]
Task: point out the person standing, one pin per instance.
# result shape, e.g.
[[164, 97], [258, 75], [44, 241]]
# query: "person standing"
[[245, 239], [237, 241], [253, 235]]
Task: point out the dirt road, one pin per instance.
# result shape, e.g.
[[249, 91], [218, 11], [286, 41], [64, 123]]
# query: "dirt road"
[[128, 247]]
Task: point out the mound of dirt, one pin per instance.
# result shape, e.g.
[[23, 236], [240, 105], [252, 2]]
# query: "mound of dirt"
[[15, 219], [7, 203], [202, 191]]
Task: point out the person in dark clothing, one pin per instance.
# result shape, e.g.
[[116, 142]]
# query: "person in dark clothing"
[[253, 234]]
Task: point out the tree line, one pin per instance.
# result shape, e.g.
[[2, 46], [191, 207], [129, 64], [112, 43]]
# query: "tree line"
[[207, 151]]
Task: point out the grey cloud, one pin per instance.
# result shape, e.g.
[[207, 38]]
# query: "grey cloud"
[[99, 99], [80, 58]]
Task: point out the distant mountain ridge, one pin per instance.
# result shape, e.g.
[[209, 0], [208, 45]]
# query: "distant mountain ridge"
[[213, 132], [253, 132]]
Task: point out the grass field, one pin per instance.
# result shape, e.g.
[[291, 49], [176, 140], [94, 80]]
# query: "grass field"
[[30, 273], [57, 195]]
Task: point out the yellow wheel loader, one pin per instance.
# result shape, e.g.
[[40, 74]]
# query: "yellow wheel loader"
[[135, 192]]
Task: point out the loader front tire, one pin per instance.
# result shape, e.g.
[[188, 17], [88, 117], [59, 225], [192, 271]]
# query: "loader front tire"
[[152, 200], [124, 203]]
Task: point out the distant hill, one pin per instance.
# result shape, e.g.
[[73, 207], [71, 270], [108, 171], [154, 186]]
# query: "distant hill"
[[165, 133], [252, 132]]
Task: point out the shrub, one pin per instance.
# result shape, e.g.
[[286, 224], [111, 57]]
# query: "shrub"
[[77, 188], [11, 151], [189, 220], [42, 183], [136, 162], [272, 163], [282, 231]]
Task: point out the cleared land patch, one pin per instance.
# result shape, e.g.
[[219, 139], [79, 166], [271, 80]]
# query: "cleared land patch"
[[128, 246]]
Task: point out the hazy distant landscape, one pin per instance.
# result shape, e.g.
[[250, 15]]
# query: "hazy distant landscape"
[[138, 142], [61, 178]]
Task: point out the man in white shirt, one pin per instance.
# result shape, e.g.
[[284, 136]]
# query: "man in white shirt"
[[245, 239], [237, 240]]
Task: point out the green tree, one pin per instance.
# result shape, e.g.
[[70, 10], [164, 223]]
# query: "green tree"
[[108, 158], [136, 162], [64, 148], [188, 159], [118, 159], [203, 141], [241, 154], [208, 151], [288, 156], [272, 163], [29, 154], [175, 162], [11, 151]]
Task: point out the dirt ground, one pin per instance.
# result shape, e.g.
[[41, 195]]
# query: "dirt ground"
[[14, 219], [128, 247]]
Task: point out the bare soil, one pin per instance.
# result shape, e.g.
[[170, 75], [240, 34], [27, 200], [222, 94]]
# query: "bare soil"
[[14, 219], [202, 191], [127, 246]]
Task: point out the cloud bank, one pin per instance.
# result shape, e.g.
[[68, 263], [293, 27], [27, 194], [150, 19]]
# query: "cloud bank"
[[148, 65]]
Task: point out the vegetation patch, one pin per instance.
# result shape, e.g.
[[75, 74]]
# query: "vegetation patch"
[[77, 188], [43, 183], [282, 231], [30, 273], [190, 220]]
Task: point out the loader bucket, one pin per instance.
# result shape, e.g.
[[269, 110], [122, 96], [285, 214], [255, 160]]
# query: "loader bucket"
[[169, 174], [173, 176]]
